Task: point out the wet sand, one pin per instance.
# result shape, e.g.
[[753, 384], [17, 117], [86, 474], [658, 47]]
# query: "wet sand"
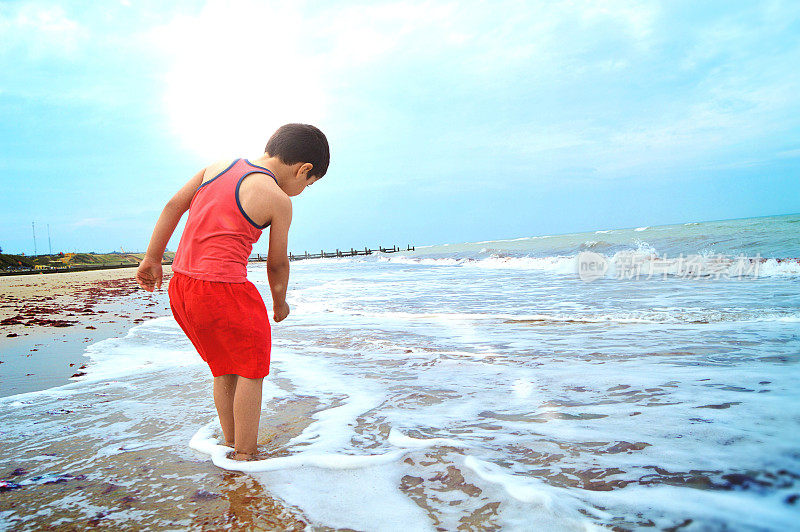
[[47, 320], [97, 474], [89, 477]]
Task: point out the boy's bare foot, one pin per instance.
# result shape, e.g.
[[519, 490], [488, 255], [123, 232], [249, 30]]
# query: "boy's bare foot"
[[242, 457]]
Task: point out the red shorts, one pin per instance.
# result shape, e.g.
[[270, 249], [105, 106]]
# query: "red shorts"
[[227, 323]]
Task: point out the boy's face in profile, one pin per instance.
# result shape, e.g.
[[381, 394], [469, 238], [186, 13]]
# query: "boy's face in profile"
[[311, 180]]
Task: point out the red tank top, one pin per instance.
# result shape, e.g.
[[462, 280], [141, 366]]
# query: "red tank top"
[[219, 236]]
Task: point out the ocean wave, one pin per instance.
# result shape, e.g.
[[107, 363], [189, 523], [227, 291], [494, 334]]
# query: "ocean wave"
[[595, 245], [769, 236], [671, 316], [444, 261], [666, 315], [641, 263]]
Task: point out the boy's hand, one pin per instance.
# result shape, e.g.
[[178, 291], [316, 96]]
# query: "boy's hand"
[[149, 274], [280, 312]]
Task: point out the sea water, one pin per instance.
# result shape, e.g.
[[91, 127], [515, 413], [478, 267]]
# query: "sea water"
[[477, 385]]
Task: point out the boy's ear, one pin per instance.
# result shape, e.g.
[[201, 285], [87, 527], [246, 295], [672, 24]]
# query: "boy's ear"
[[306, 167]]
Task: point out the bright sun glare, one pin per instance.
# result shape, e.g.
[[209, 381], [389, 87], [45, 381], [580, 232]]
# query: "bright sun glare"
[[235, 76]]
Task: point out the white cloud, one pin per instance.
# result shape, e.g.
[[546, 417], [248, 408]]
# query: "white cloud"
[[39, 31]]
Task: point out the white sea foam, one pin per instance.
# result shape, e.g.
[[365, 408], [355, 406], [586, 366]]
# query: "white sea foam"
[[399, 439], [561, 265], [645, 258], [422, 261], [520, 239], [366, 498], [133, 353], [784, 268], [206, 440], [562, 507], [554, 503], [663, 315], [79, 386]]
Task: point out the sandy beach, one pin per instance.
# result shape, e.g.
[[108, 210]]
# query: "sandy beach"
[[117, 458], [80, 476], [47, 320]]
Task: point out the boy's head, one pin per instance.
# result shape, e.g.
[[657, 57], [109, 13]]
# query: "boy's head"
[[301, 143]]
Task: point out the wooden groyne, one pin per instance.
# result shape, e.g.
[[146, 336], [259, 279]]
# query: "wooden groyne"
[[352, 252]]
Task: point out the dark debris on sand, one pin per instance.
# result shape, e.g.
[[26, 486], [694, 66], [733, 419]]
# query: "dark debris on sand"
[[45, 311]]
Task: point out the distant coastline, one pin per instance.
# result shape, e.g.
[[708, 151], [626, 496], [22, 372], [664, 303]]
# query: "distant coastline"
[[71, 262], [76, 262]]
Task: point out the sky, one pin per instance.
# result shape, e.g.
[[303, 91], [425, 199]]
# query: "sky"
[[447, 121]]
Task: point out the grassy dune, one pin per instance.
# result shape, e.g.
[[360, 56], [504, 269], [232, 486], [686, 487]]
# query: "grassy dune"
[[70, 260]]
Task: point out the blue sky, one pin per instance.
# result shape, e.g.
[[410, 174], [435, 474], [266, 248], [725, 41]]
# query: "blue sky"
[[448, 121]]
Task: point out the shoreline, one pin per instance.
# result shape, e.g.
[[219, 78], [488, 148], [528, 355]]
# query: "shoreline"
[[67, 269], [47, 321]]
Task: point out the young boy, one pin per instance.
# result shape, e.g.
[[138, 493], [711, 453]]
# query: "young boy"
[[220, 311]]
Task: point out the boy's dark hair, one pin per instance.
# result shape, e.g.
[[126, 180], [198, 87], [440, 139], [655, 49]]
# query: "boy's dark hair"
[[300, 143]]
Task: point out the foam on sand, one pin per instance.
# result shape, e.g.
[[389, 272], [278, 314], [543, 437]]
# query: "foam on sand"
[[399, 439], [206, 442], [760, 512]]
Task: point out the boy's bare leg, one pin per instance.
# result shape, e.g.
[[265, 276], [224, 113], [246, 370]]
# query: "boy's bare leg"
[[224, 392], [247, 413]]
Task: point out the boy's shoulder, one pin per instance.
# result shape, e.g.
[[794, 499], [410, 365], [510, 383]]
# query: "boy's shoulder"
[[259, 194], [259, 189], [216, 168]]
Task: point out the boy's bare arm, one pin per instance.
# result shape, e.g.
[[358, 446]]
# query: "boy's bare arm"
[[277, 259], [149, 273]]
